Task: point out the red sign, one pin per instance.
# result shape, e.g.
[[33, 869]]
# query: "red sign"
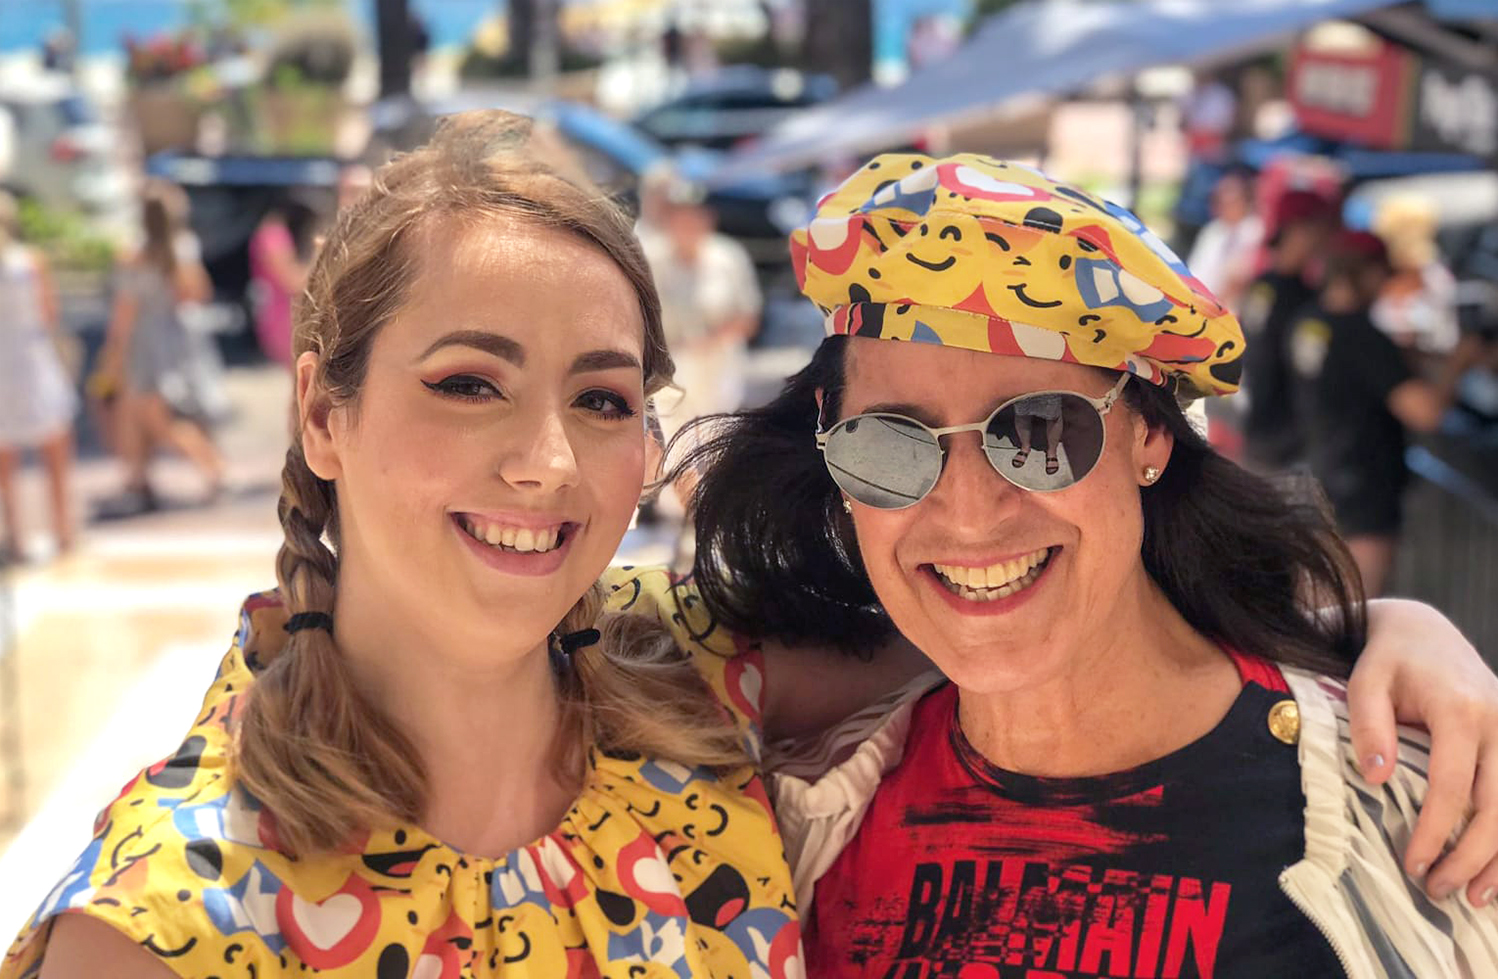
[[1362, 98]]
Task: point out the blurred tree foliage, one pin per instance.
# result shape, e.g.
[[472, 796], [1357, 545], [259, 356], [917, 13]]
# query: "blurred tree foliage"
[[254, 13], [66, 237], [477, 65], [312, 49], [761, 51], [521, 28]]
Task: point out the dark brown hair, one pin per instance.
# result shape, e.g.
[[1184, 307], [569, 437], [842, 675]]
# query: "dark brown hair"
[[1247, 562]]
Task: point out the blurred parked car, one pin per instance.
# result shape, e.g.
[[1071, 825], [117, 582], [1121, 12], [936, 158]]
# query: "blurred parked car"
[[55, 147], [733, 105]]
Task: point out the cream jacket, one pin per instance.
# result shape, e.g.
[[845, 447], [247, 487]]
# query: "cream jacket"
[[1350, 882]]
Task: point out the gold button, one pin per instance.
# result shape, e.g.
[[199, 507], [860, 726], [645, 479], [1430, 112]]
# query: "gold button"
[[1284, 721]]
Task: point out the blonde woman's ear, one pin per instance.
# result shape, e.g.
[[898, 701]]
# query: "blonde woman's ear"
[[315, 410]]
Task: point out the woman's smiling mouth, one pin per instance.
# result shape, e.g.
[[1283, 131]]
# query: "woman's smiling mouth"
[[504, 545], [518, 540], [996, 581]]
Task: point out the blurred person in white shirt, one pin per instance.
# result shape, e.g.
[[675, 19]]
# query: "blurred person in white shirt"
[[1227, 249], [710, 303]]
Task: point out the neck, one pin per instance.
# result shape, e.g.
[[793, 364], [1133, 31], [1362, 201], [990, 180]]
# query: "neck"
[[1142, 685], [485, 734]]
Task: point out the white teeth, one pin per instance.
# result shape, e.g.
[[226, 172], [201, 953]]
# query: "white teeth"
[[997, 581], [523, 539]]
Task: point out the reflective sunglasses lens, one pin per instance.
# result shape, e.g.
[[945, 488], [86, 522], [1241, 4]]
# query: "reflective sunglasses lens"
[[1045, 441], [883, 461]]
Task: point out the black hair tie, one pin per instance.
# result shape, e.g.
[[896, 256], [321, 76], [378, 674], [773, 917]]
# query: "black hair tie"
[[310, 620], [573, 641]]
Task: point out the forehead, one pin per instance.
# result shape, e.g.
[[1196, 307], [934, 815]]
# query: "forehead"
[[523, 279], [940, 377]]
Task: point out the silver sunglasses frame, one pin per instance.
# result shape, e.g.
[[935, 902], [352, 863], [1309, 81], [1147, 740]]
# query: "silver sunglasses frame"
[[1101, 405]]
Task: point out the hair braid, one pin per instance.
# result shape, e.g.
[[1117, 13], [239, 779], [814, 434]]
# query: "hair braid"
[[364, 772]]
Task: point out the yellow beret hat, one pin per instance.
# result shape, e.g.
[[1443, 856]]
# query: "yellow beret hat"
[[968, 251]]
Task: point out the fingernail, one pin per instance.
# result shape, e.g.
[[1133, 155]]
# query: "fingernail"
[[1487, 895], [1373, 762], [1421, 868]]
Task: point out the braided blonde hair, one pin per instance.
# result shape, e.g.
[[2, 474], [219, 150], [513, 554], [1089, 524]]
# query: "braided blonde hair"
[[310, 744]]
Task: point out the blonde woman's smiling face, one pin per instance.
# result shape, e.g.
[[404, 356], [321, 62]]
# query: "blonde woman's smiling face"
[[495, 454]]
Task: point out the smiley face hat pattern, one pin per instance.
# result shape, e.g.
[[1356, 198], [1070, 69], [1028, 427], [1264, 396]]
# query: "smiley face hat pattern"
[[968, 251]]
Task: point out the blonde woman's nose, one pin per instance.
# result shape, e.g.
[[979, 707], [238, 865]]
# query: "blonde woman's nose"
[[538, 453]]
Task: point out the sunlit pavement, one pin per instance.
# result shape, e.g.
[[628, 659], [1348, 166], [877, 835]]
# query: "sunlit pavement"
[[116, 643]]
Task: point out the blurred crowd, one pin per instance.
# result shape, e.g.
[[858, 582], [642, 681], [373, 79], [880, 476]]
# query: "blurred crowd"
[[1355, 343]]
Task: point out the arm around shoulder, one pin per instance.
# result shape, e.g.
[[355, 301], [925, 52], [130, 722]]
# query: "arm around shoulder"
[[83, 947], [809, 689]]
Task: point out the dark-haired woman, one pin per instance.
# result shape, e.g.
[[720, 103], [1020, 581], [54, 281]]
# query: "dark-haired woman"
[[1137, 760]]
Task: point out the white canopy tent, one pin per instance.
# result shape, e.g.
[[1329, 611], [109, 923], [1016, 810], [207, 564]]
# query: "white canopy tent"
[[1035, 51]]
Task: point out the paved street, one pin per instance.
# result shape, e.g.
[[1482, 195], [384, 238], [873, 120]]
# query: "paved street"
[[113, 645]]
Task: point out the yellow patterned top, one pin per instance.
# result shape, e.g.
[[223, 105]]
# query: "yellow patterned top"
[[657, 870]]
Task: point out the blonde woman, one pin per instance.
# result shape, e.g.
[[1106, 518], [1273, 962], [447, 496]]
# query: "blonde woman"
[[434, 751], [430, 754]]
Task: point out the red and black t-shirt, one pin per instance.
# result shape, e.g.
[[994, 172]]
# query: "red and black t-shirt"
[[1169, 870]]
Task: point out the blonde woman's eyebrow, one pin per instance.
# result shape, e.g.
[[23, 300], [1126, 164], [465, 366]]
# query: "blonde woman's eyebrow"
[[490, 343], [604, 360]]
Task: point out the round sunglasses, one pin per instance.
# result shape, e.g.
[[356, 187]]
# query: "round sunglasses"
[[1042, 441]]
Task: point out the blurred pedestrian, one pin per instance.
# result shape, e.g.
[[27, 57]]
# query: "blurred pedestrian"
[[37, 402], [1359, 396], [1273, 435], [1224, 253], [1417, 307], [1208, 114], [278, 274], [710, 304], [148, 355]]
